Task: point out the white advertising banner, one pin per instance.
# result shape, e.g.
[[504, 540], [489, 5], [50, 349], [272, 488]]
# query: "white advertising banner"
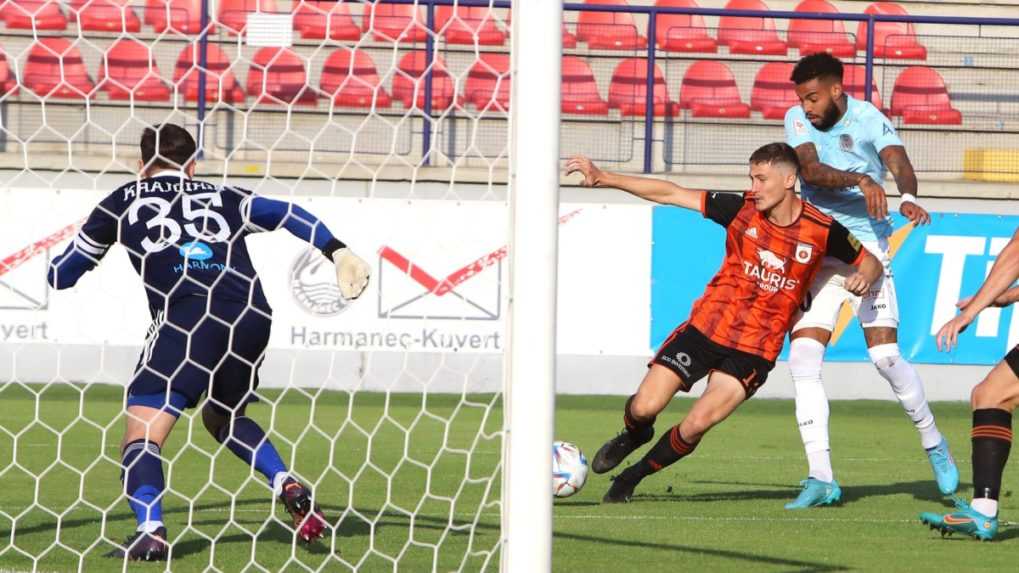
[[439, 282]]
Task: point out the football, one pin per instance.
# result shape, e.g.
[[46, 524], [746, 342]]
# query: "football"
[[569, 469]]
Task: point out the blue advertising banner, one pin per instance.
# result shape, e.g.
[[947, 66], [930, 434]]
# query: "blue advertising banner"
[[933, 266]]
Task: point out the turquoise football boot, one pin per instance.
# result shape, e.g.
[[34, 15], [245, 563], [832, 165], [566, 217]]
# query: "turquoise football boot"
[[964, 520], [816, 493], [945, 471]]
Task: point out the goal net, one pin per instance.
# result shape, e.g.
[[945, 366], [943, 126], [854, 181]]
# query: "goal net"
[[389, 122]]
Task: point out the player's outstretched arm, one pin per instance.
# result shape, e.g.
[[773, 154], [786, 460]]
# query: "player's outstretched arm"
[[895, 159], [1001, 278], [820, 175], [88, 247], [352, 272], [657, 190]]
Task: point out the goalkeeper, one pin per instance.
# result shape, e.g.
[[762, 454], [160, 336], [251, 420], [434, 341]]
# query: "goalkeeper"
[[211, 320]]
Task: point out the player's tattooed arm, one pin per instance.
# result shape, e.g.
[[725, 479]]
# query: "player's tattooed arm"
[[1000, 280], [826, 177], [656, 190], [895, 159]]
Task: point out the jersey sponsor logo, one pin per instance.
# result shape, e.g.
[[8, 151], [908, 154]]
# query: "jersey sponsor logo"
[[770, 273], [846, 142], [196, 251], [313, 285], [752, 232], [887, 130], [803, 253]]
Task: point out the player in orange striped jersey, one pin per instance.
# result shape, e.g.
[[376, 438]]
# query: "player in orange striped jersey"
[[774, 246]]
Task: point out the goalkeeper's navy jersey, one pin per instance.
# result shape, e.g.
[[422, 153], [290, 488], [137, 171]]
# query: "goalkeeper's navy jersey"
[[186, 238]]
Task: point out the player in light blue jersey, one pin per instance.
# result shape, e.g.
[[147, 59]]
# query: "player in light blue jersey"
[[845, 146]]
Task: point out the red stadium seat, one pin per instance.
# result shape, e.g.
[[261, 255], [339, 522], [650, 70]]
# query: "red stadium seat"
[[580, 90], [609, 30], [682, 32], [891, 39], [55, 68], [813, 36], [411, 79], [488, 82], [468, 22], [628, 89], [8, 80], [105, 16], [569, 38], [34, 14], [183, 16], [220, 82], [349, 76], [277, 76], [327, 19], [709, 90], [749, 35], [394, 22], [853, 80], [920, 96], [128, 69], [774, 93], [233, 14]]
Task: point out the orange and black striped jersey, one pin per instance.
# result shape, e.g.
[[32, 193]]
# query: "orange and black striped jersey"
[[751, 302]]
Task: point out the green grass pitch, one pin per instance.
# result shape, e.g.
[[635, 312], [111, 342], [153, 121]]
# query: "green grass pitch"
[[412, 484]]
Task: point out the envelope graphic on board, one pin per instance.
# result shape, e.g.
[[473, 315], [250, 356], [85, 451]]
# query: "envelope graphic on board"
[[471, 292], [23, 273]]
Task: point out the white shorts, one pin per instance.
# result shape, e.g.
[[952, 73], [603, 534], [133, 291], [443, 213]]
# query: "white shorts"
[[878, 307]]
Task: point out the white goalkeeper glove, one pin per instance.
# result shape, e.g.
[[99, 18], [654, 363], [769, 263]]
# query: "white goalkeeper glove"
[[351, 273]]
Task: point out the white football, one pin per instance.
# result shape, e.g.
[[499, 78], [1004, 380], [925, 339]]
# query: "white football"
[[569, 469]]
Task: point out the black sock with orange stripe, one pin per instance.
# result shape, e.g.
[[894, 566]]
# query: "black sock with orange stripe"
[[637, 427], [992, 440], [671, 448]]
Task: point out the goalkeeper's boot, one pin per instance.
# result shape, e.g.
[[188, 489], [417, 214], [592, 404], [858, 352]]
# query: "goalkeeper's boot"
[[965, 520], [614, 451], [621, 490], [143, 546], [945, 471], [816, 493], [308, 518]]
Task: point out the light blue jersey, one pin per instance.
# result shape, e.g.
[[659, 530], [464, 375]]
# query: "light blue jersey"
[[853, 144]]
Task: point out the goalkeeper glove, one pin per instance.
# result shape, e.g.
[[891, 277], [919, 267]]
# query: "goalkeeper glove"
[[351, 273]]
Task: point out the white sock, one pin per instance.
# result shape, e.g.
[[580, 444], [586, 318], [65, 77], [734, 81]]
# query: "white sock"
[[908, 389], [149, 526], [986, 506], [277, 482], [805, 358]]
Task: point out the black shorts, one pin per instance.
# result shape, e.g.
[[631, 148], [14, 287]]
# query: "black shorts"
[[194, 347], [692, 356], [1012, 359]]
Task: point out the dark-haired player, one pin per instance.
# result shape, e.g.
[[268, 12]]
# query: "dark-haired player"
[[844, 146], [774, 246], [993, 400], [211, 319]]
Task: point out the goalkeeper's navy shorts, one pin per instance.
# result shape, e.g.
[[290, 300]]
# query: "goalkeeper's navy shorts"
[[197, 346], [692, 356]]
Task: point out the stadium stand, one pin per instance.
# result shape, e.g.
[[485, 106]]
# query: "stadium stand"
[[465, 24], [33, 14], [394, 22], [609, 30], [854, 79], [277, 76], [488, 82], [128, 71], [773, 93], [315, 19], [409, 82], [182, 16], [105, 16], [233, 14], [8, 79], [628, 89], [681, 32], [893, 40], [55, 69], [921, 97], [350, 77], [709, 90], [811, 36], [220, 82], [750, 35], [580, 90]]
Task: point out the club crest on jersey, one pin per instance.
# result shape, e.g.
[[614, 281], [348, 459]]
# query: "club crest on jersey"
[[799, 127], [803, 253], [846, 142]]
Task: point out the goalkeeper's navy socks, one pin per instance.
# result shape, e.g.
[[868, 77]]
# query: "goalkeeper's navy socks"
[[143, 480], [249, 443]]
